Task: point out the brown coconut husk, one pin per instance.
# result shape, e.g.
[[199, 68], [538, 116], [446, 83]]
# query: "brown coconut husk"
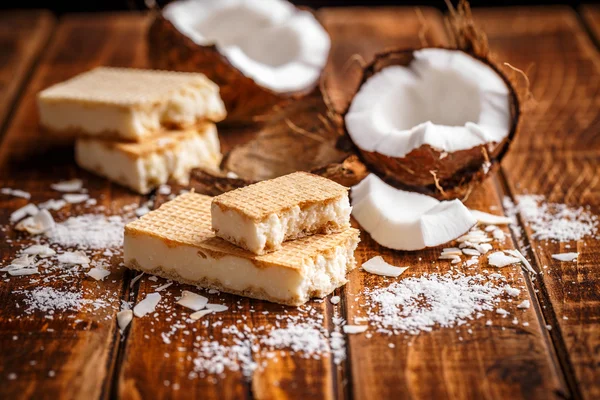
[[425, 169], [244, 99], [303, 136]]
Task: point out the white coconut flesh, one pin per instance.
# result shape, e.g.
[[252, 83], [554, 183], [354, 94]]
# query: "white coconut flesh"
[[280, 47], [444, 98], [403, 220]]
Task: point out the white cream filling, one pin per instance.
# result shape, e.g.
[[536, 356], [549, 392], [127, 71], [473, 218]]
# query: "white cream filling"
[[240, 274], [142, 174], [277, 228], [184, 108]]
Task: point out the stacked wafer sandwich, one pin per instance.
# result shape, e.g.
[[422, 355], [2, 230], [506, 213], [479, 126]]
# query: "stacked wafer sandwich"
[[138, 128], [284, 240]]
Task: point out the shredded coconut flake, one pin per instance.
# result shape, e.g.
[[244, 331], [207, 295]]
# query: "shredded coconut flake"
[[15, 193], [68, 186], [147, 305], [192, 300], [76, 198], [98, 273]]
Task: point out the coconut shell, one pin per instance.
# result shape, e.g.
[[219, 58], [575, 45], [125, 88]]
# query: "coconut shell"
[[244, 99], [348, 173], [427, 170], [304, 136]]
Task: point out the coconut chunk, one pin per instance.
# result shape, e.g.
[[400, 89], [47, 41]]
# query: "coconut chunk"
[[525, 304], [192, 300], [27, 210], [39, 223], [217, 307], [524, 261], [147, 305], [75, 198], [280, 47], [23, 271], [16, 193], [501, 260], [98, 273], [199, 314], [124, 319], [490, 219], [444, 98], [354, 329], [378, 266], [53, 204], [73, 258], [72, 185], [40, 250], [565, 256], [404, 220]]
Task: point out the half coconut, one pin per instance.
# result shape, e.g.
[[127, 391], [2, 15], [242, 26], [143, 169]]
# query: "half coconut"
[[433, 120], [260, 53]]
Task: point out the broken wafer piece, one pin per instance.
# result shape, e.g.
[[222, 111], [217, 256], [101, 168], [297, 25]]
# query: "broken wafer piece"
[[129, 104], [260, 217], [176, 242], [146, 165]]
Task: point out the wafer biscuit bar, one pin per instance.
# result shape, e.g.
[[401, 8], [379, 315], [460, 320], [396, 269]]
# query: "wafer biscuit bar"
[[176, 242], [145, 165], [129, 104], [260, 217]]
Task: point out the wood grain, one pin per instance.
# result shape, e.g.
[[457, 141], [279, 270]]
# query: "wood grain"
[[557, 156], [70, 356], [23, 35]]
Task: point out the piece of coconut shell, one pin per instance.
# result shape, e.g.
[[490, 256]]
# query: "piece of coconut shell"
[[425, 169], [348, 173], [244, 99], [303, 136]]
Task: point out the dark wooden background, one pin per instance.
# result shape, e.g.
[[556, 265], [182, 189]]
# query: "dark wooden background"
[[63, 6], [557, 154]]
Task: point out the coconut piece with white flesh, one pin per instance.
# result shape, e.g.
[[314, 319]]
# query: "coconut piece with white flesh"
[[432, 120], [404, 220], [260, 52]]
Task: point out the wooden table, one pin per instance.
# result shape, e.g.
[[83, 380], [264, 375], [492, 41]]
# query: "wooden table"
[[557, 154]]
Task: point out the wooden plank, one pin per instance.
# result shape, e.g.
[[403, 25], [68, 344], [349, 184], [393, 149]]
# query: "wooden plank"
[[591, 16], [557, 156], [71, 355], [23, 35], [499, 362]]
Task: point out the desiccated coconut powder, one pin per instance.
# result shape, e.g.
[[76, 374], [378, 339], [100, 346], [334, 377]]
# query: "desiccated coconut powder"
[[89, 231], [552, 221], [417, 304]]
